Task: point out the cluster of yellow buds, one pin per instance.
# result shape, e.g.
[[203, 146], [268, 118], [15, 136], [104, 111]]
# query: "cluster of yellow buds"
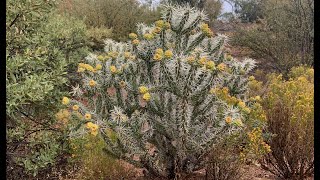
[[206, 30], [191, 59], [113, 69], [160, 24], [159, 54], [63, 116], [65, 101], [134, 38], [257, 144], [113, 54], [82, 67], [148, 36], [93, 128], [243, 107], [221, 67], [210, 65], [145, 93], [202, 61], [92, 83]]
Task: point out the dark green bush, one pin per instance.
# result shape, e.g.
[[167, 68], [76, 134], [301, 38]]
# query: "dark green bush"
[[285, 35], [119, 15]]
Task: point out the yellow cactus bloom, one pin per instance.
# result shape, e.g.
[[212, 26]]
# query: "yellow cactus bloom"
[[210, 65], [251, 78], [213, 90], [221, 67], [241, 104], [81, 69], [157, 57], [156, 30], [191, 59], [204, 26], [143, 89], [127, 55], [159, 51], [159, 23], [89, 125], [228, 119], [135, 42], [98, 67], [225, 90], [257, 98], [75, 107], [94, 133], [65, 100], [81, 65], [146, 96], [148, 36], [92, 83], [202, 61], [100, 58], [87, 116], [247, 110], [168, 54], [113, 69], [133, 36]]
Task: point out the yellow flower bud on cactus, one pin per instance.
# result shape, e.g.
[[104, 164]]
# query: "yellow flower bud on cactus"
[[159, 23], [241, 104], [87, 116], [98, 67], [202, 61], [65, 100], [133, 36], [210, 65], [191, 59], [247, 110], [157, 57], [159, 51], [135, 42], [100, 58], [168, 54], [221, 67], [75, 107], [204, 26], [257, 98], [228, 120], [92, 83], [148, 36], [127, 55], [80, 69], [113, 69], [251, 78], [156, 30], [146, 96], [94, 132], [143, 89]]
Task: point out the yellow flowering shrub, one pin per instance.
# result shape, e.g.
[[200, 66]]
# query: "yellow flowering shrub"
[[289, 106]]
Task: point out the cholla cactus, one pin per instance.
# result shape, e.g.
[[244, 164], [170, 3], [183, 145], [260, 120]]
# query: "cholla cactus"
[[165, 98]]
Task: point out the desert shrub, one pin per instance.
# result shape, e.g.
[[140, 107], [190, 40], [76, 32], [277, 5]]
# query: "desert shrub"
[[164, 99], [39, 46], [87, 151], [247, 10], [284, 37], [291, 118], [119, 15], [289, 106]]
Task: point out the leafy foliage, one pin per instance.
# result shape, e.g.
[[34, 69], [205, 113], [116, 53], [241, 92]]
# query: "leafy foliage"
[[285, 36], [119, 15], [163, 100], [40, 45]]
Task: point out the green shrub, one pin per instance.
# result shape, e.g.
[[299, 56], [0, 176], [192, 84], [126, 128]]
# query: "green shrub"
[[284, 37], [162, 101], [289, 106], [88, 152], [40, 46], [119, 15]]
